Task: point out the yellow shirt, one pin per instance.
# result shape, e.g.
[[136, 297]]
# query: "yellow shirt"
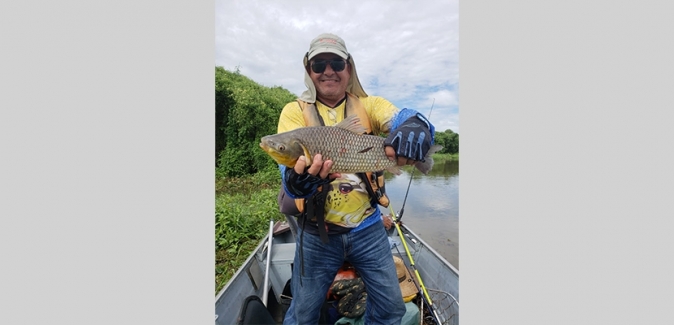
[[348, 202], [379, 110]]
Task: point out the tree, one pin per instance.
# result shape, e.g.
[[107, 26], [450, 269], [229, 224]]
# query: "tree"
[[448, 140], [245, 111]]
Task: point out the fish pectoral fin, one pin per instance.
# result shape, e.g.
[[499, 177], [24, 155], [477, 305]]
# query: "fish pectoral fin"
[[351, 123], [307, 155]]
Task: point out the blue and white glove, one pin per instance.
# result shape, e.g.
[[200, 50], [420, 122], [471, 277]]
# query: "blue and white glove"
[[412, 135]]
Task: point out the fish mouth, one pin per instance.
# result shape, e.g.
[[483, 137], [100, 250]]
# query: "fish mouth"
[[267, 149]]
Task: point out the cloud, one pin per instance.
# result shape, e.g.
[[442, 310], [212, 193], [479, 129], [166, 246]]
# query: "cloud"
[[404, 51]]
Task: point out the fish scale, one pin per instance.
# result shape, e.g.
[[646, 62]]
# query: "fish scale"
[[350, 150]]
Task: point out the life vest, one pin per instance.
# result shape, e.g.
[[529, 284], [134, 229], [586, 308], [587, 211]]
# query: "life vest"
[[374, 181]]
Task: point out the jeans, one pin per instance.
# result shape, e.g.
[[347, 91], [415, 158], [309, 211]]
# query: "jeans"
[[369, 252]]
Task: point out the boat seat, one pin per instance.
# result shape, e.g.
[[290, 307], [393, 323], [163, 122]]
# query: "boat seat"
[[283, 253], [282, 256]]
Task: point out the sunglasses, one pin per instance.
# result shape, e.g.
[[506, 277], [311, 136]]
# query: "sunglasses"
[[319, 66]]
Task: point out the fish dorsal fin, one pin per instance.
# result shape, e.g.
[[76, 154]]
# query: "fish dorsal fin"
[[351, 123]]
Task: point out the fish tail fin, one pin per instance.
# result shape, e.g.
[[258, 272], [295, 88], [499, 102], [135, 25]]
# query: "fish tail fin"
[[428, 162]]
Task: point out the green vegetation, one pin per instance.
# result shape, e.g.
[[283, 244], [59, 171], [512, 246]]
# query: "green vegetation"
[[245, 111], [243, 208], [247, 180], [440, 158], [449, 141]]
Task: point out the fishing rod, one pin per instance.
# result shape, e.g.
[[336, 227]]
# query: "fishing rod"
[[422, 287], [402, 209], [396, 221]]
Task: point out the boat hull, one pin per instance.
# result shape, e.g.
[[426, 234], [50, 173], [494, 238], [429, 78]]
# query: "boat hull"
[[439, 277]]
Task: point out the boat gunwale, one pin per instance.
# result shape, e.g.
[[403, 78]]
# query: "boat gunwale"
[[264, 240], [241, 269], [433, 251]]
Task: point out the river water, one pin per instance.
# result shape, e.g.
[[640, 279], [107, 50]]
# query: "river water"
[[432, 206]]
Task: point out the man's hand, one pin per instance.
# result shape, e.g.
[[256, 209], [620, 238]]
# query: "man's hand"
[[410, 142], [318, 167], [401, 161], [388, 222], [301, 183]]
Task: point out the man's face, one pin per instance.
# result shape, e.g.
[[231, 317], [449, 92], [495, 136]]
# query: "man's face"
[[330, 85]]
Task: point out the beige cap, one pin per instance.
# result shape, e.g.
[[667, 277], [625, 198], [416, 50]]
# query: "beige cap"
[[328, 43]]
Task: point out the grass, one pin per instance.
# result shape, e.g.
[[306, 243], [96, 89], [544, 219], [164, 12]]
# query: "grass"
[[243, 208], [442, 157]]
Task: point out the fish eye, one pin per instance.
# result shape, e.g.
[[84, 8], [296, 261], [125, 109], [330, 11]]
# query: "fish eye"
[[281, 147]]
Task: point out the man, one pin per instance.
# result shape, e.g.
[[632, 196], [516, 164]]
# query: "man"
[[340, 220]]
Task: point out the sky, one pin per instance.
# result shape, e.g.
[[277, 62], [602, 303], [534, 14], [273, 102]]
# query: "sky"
[[404, 51]]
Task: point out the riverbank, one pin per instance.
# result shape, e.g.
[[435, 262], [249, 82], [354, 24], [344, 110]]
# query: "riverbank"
[[442, 157]]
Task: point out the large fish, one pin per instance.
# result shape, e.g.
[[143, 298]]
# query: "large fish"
[[350, 150]]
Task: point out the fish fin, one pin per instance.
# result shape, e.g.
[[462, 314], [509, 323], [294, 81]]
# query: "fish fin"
[[427, 164], [394, 170], [351, 123], [307, 155]]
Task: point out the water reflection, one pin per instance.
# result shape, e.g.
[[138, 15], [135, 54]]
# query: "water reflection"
[[432, 206]]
